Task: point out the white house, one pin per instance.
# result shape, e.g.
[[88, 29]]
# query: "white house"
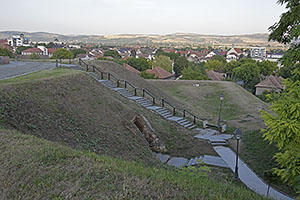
[[18, 40], [258, 53]]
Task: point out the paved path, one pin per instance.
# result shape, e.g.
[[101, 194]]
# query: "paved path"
[[18, 68], [246, 175]]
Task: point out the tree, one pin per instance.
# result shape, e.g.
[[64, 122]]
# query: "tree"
[[219, 58], [146, 75], [249, 73], [194, 73], [6, 52], [78, 51], [20, 49], [214, 65], [140, 63], [229, 67], [163, 62], [283, 127], [267, 67], [34, 56], [180, 64], [63, 54], [112, 53]]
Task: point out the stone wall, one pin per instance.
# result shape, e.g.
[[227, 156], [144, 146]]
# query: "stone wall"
[[4, 60]]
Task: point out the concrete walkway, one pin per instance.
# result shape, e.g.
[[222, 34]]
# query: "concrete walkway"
[[247, 176]]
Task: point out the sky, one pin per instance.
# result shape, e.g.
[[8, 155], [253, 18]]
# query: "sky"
[[110, 17]]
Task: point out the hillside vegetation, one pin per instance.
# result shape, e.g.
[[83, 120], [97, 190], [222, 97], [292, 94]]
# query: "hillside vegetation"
[[72, 108], [33, 168]]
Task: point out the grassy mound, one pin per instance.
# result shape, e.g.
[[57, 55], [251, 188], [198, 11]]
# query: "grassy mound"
[[33, 168], [71, 108]]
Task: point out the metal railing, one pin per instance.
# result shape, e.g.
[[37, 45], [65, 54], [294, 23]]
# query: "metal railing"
[[146, 92], [163, 102], [134, 88], [86, 65]]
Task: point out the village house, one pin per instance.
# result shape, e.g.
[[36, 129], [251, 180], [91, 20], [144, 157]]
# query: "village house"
[[130, 68], [31, 51], [160, 73], [233, 54], [215, 76], [271, 84]]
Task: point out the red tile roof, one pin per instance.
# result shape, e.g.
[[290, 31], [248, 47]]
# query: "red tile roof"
[[3, 41], [215, 76], [169, 50], [159, 73], [132, 69], [33, 50], [51, 50], [273, 82], [238, 50]]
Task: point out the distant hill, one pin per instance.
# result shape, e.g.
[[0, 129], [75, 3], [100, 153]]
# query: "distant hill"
[[179, 39]]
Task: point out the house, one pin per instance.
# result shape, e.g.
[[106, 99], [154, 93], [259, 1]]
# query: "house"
[[160, 73], [271, 83], [18, 40], [44, 49], [51, 52], [215, 76], [274, 57], [258, 53], [233, 54], [32, 51], [132, 69]]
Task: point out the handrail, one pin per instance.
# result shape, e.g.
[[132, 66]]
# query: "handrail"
[[194, 116], [163, 102], [109, 75], [87, 65], [126, 82], [101, 72], [146, 91]]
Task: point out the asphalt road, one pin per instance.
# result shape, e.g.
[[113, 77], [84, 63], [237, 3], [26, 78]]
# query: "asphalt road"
[[16, 68]]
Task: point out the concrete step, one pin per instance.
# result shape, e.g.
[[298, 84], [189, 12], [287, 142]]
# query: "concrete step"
[[191, 127], [163, 112], [184, 123], [182, 120], [219, 143], [187, 125], [167, 116]]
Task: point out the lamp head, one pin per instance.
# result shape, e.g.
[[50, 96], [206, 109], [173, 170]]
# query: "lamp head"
[[238, 133], [222, 97]]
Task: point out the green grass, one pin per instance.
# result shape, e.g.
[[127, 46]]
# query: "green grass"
[[33, 168], [40, 75]]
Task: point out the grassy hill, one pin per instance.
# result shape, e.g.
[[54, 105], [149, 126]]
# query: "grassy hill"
[[33, 168], [72, 108], [74, 138], [240, 108]]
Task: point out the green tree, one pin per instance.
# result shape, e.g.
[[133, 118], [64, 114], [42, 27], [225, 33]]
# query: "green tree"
[[220, 58], [34, 56], [140, 63], [194, 73], [163, 62], [20, 49], [112, 53], [283, 127], [229, 67], [180, 64], [249, 73], [267, 67], [63, 54], [6, 52], [146, 75], [78, 51], [214, 65]]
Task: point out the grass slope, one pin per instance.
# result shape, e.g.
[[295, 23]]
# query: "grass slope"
[[33, 168], [71, 108], [240, 108]]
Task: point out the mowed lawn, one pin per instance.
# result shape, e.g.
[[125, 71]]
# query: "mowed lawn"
[[240, 108]]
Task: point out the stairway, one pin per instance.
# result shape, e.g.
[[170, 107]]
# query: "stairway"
[[144, 102]]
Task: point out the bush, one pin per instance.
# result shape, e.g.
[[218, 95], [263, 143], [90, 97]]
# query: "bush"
[[146, 75]]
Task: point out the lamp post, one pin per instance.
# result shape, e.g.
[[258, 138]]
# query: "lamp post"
[[238, 134], [221, 102], [56, 40]]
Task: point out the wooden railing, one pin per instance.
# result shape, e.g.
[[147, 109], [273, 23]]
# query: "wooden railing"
[[163, 102], [149, 94]]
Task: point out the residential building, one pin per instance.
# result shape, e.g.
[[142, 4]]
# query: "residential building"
[[215, 76], [160, 73], [258, 53], [18, 40], [130, 68], [32, 51], [274, 56], [271, 83]]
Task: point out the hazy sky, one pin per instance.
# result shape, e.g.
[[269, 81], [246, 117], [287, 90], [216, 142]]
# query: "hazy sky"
[[105, 17]]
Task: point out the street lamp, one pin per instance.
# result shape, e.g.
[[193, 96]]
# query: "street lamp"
[[56, 40], [238, 134], [221, 102]]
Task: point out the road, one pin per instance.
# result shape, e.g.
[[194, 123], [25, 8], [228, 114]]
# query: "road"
[[16, 68]]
